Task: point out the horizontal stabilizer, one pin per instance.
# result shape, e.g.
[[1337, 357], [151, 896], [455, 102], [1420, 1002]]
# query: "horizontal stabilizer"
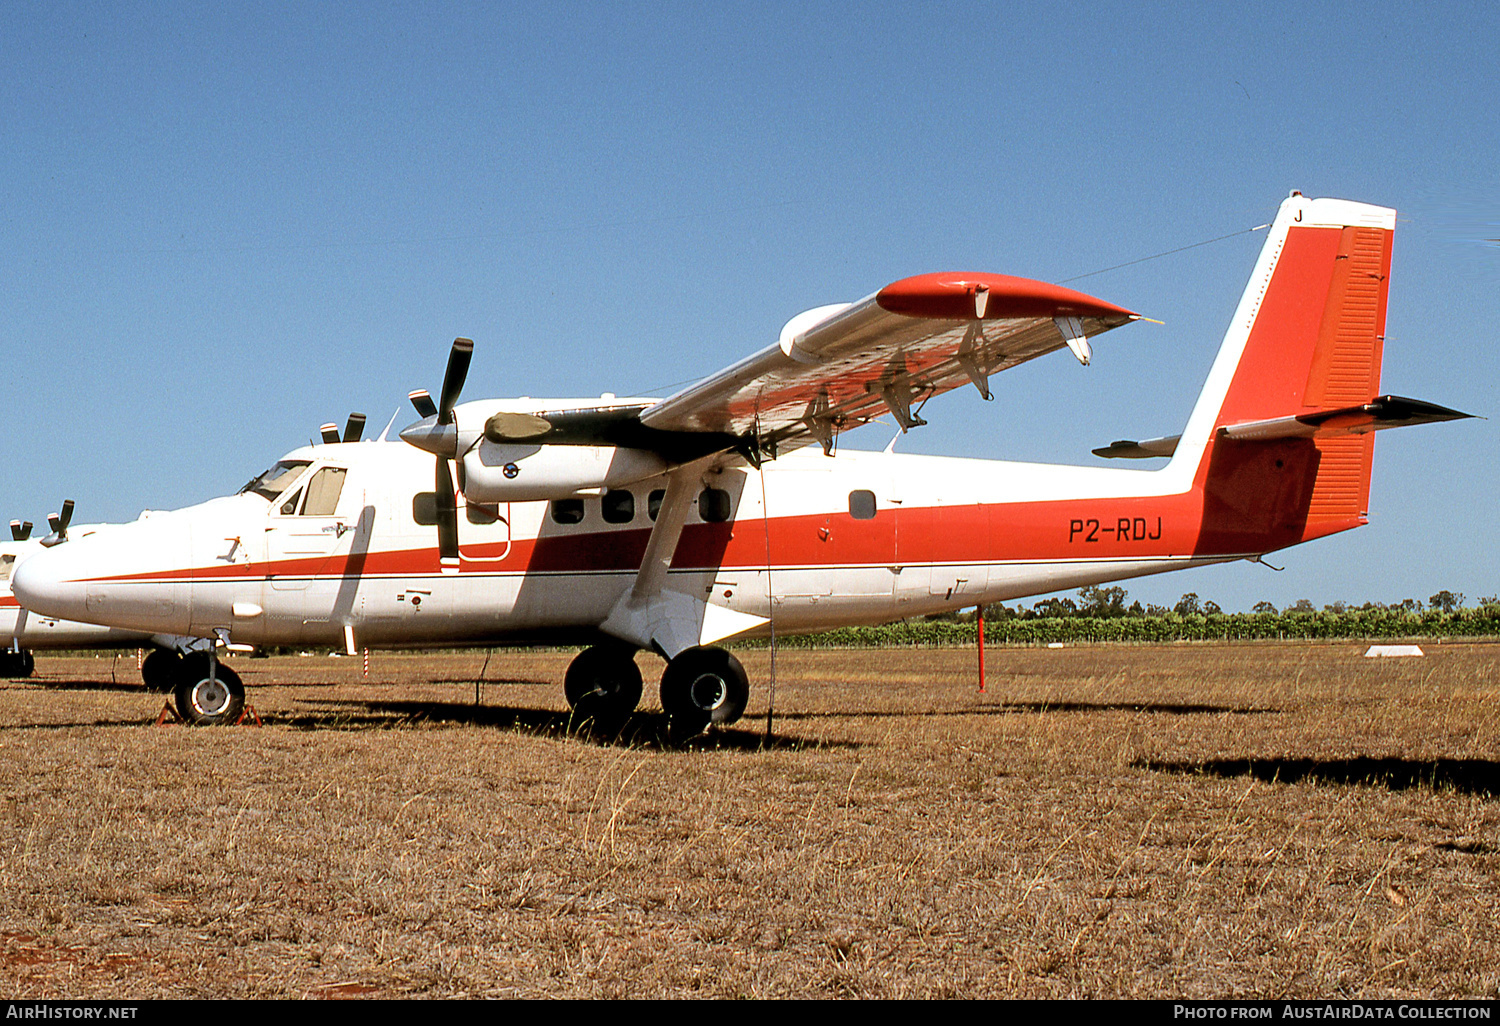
[[1128, 450], [1386, 411]]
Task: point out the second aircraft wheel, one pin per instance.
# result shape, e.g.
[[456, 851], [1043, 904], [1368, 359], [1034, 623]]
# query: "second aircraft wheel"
[[160, 670], [204, 699], [603, 684], [704, 686]]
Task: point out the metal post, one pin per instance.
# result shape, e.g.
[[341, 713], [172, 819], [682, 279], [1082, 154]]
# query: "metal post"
[[980, 621]]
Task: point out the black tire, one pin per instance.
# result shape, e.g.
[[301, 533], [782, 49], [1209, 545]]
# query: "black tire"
[[603, 684], [161, 670], [17, 665], [703, 687], [206, 701]]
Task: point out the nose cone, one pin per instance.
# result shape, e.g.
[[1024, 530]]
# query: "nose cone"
[[136, 576], [47, 583], [428, 434]]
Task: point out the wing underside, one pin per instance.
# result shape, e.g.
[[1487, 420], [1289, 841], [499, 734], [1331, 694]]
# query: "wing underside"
[[837, 368]]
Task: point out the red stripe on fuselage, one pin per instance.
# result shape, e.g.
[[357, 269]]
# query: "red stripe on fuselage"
[[1266, 510]]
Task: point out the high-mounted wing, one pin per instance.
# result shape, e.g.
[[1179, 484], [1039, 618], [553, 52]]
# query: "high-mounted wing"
[[833, 368], [837, 367]]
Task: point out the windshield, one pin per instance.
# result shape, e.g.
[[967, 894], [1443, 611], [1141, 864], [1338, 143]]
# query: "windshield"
[[276, 480]]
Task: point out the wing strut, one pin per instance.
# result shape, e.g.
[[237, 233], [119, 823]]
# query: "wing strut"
[[654, 616]]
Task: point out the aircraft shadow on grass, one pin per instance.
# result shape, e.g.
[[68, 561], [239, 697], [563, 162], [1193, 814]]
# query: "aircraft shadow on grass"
[[133, 687], [1466, 776], [1012, 708], [648, 730]]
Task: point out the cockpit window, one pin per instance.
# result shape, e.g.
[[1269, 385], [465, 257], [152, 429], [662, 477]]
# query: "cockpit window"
[[7, 564], [276, 480], [323, 492]]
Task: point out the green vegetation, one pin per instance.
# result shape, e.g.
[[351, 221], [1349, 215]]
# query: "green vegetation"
[[1101, 615]]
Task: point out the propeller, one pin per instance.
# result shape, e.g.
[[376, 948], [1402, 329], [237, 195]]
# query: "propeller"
[[59, 524], [437, 433], [20, 531], [353, 430]]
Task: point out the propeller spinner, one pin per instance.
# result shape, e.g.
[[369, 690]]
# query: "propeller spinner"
[[437, 433]]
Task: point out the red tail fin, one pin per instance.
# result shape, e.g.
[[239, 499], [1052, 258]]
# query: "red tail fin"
[[1307, 338]]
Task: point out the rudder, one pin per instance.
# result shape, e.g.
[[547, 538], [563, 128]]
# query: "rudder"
[[1307, 338]]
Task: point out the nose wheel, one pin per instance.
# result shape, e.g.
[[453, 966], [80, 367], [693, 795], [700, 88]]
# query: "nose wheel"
[[16, 664], [703, 687], [603, 684], [206, 698]]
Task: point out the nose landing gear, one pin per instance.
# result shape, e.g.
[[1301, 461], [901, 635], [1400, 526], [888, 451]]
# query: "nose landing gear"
[[16, 664], [206, 694]]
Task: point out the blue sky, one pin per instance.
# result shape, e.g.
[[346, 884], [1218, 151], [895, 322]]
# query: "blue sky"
[[224, 227]]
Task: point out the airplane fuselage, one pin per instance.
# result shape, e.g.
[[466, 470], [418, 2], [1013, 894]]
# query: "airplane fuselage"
[[860, 537]]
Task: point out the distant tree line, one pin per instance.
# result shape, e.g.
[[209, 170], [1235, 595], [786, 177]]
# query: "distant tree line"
[[1100, 614], [1108, 603]]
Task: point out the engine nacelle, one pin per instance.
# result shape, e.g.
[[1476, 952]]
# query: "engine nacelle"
[[526, 472]]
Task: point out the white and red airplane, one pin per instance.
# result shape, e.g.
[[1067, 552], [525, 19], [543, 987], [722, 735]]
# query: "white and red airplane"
[[672, 524]]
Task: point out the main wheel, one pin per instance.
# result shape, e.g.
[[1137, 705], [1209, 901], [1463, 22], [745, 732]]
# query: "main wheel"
[[161, 670], [603, 684], [704, 686], [204, 699]]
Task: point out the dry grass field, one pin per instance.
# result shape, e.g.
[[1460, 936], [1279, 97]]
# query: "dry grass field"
[[1179, 821]]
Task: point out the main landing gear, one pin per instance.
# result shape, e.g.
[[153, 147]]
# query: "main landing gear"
[[603, 684], [17, 664], [703, 687], [700, 688]]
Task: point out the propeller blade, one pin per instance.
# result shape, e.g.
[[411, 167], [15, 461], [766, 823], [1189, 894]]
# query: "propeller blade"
[[354, 430], [55, 523], [330, 433], [447, 514], [67, 513], [20, 531], [423, 402], [453, 378]]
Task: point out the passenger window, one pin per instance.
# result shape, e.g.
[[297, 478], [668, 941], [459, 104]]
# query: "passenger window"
[[482, 512], [567, 511], [424, 508], [862, 504], [619, 507], [713, 505], [653, 502], [323, 492], [289, 507]]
